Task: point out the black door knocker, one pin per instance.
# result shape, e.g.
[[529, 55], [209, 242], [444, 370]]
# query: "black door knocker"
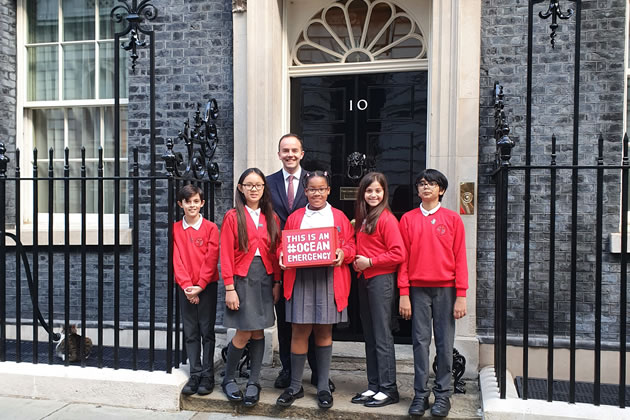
[[356, 165]]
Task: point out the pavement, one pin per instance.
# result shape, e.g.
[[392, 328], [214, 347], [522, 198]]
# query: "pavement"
[[348, 374], [15, 408], [347, 371]]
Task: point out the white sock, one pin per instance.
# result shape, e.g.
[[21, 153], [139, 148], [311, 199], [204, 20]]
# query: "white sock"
[[380, 396], [368, 393]]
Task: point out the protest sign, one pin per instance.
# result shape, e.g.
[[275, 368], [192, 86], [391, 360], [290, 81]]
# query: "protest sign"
[[309, 247]]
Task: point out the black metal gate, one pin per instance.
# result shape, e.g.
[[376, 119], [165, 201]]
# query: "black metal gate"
[[554, 278]]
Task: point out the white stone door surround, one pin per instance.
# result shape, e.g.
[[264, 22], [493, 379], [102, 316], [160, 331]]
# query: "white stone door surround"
[[265, 30]]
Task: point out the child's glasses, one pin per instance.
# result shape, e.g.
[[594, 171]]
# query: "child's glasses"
[[423, 184], [251, 187], [316, 190]]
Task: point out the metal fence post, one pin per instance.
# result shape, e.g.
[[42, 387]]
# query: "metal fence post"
[[4, 161]]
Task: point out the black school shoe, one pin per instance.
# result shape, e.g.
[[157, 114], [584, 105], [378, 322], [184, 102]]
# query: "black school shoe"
[[283, 380], [234, 395], [288, 397], [191, 386], [324, 399], [361, 399], [390, 399], [418, 406], [331, 384], [441, 407], [205, 386], [251, 400]]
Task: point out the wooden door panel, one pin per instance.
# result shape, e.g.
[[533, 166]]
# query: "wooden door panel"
[[383, 116]]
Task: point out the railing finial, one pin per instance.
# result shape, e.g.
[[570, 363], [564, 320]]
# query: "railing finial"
[[504, 143], [171, 159], [4, 161], [135, 14], [554, 11]]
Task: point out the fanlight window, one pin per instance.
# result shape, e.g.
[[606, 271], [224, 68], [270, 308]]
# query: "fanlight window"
[[350, 31]]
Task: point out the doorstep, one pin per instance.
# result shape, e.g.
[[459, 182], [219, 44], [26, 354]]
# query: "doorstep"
[[348, 374]]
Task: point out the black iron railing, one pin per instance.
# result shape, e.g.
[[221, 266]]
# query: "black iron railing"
[[199, 142], [561, 182], [102, 283], [559, 176]]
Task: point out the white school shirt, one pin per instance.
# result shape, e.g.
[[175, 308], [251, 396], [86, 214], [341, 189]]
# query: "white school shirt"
[[430, 212], [195, 226], [296, 180], [255, 215], [318, 218]]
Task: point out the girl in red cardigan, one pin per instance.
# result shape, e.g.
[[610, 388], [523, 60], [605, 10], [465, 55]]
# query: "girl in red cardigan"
[[317, 297], [249, 266], [380, 250]]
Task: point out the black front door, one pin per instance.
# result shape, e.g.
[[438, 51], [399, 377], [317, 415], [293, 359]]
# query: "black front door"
[[354, 124]]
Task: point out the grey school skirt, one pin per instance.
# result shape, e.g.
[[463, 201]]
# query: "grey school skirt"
[[255, 294], [313, 298]]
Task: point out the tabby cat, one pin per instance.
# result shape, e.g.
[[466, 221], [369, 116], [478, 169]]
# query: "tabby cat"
[[74, 345]]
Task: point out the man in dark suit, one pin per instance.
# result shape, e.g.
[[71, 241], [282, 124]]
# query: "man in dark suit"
[[287, 194]]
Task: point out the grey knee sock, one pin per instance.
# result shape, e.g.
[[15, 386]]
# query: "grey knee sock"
[[231, 362], [323, 354], [297, 371], [256, 353]]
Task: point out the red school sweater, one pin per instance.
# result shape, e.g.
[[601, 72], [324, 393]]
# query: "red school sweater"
[[436, 251], [236, 262], [195, 254], [341, 274], [384, 246]]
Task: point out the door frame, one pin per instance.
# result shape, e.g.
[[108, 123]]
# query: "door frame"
[[261, 107]]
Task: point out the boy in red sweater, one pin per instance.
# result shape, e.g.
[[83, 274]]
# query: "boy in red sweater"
[[195, 256], [433, 281]]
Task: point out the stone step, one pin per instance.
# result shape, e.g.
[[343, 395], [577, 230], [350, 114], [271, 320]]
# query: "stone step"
[[348, 375]]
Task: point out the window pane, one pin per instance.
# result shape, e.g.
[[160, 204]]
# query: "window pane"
[[78, 20], [91, 188], [42, 17], [106, 85], [48, 132], [109, 188], [44, 188], [59, 189], [78, 73], [42, 74], [75, 188], [108, 123], [108, 26], [378, 19], [84, 130]]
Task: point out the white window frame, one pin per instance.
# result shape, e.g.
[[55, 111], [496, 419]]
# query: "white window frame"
[[24, 141]]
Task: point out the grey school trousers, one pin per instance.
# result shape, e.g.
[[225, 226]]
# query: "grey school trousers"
[[432, 305], [198, 323], [375, 299]]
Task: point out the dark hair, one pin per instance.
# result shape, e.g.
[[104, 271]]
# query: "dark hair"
[[364, 213], [266, 209], [187, 191], [316, 174], [291, 135], [433, 175]]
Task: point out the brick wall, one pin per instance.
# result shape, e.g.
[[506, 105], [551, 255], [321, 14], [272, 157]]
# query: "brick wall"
[[8, 84], [504, 59], [193, 64]]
